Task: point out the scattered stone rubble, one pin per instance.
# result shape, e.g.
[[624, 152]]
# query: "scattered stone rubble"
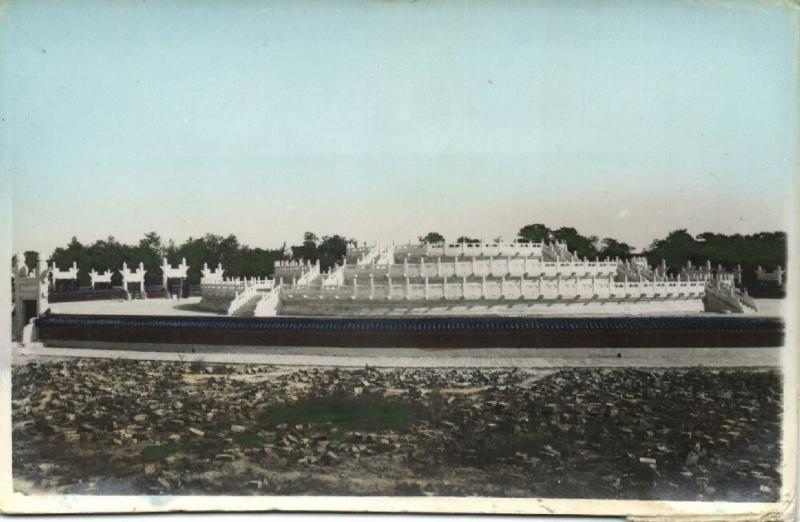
[[145, 427]]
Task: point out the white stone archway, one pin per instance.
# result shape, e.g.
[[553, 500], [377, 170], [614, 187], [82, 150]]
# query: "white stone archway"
[[212, 275], [130, 277], [100, 277], [168, 272], [31, 290], [70, 274]]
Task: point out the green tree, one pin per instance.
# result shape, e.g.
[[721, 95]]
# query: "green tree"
[[148, 251], [677, 248], [237, 260], [74, 252], [611, 248], [765, 249], [31, 259], [331, 251], [308, 250], [151, 241], [431, 238], [535, 233], [578, 244]]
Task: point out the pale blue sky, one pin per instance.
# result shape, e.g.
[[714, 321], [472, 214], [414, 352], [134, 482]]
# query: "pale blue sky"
[[384, 120]]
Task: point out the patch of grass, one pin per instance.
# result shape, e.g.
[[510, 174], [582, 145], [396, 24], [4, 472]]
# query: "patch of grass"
[[198, 365], [251, 440], [334, 434], [158, 452], [347, 413]]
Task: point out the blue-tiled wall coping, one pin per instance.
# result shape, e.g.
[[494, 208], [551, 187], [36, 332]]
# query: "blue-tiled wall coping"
[[419, 324]]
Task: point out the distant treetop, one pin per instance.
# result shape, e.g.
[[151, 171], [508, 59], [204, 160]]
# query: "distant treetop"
[[431, 237]]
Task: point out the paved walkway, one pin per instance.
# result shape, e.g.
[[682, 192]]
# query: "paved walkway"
[[180, 307], [415, 358], [189, 306]]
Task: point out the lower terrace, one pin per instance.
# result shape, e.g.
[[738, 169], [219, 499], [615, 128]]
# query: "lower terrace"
[[190, 307]]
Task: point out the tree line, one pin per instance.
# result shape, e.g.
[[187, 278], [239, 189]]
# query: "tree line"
[[584, 246], [237, 259], [767, 249]]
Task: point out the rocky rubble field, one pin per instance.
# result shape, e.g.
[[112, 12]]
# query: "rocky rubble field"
[[142, 427]]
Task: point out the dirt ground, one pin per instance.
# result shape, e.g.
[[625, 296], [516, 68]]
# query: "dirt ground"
[[99, 426]]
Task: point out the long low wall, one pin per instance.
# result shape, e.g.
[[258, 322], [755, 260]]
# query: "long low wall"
[[509, 289], [415, 332], [503, 266]]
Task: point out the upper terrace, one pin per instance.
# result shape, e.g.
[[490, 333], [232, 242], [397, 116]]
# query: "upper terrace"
[[415, 252]]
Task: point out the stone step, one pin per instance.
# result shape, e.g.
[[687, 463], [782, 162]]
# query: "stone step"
[[248, 308]]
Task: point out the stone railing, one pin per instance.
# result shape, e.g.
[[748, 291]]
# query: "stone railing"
[[289, 269], [235, 285], [495, 267], [720, 298], [708, 272], [386, 256], [557, 252], [219, 296], [480, 249], [241, 298], [357, 250], [370, 257], [335, 277], [308, 277], [638, 270], [728, 279], [269, 304], [558, 287], [776, 275], [222, 289], [411, 249]]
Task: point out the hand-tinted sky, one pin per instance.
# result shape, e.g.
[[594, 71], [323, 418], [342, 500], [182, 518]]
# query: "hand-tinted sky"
[[384, 120]]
